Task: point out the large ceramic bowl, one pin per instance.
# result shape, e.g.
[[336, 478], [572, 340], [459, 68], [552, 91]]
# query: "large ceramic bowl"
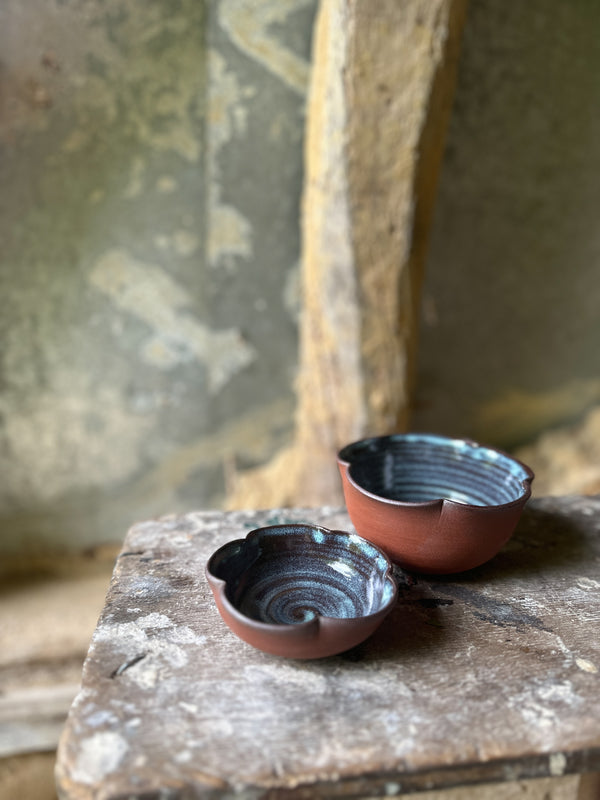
[[301, 591], [433, 504]]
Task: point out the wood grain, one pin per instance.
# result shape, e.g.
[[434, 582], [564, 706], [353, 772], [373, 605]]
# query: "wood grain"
[[490, 676]]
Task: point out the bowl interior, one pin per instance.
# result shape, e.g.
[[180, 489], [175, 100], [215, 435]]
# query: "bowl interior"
[[291, 574], [417, 468]]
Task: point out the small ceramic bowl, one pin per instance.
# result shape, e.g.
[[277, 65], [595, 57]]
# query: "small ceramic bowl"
[[301, 591], [433, 504]]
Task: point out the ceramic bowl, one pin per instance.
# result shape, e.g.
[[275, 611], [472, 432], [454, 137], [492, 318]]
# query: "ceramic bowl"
[[433, 504], [301, 591]]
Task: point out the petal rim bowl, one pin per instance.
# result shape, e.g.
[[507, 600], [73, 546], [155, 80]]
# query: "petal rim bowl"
[[276, 589]]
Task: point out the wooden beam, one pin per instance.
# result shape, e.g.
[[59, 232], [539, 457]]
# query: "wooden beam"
[[381, 89]]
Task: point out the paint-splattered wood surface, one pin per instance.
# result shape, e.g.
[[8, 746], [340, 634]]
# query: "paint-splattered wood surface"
[[492, 675]]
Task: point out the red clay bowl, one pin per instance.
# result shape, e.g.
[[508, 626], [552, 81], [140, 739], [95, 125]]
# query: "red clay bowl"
[[433, 504], [301, 591]]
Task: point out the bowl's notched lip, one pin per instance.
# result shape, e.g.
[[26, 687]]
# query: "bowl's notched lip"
[[219, 584], [440, 502]]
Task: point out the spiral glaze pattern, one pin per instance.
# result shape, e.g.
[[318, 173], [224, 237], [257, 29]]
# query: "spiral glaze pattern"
[[288, 575], [420, 468]]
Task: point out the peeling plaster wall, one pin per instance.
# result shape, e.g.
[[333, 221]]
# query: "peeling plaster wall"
[[150, 177], [150, 173], [510, 339]]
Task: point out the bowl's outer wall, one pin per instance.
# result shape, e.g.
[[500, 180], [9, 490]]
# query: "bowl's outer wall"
[[318, 638], [437, 538], [322, 635]]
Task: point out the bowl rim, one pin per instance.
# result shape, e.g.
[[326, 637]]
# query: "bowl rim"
[[219, 585], [344, 464]]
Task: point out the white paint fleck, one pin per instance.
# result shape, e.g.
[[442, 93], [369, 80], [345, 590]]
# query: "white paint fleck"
[[154, 620], [98, 756], [183, 757], [100, 717], [541, 705], [155, 636], [185, 635], [180, 540], [191, 708], [392, 789], [563, 647], [558, 764], [586, 666], [558, 692], [529, 604], [587, 583], [128, 632], [145, 677]]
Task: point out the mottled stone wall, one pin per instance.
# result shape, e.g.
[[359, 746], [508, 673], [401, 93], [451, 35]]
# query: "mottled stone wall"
[[511, 329], [150, 173]]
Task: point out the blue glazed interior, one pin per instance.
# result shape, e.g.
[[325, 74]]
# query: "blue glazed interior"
[[419, 468], [291, 574]]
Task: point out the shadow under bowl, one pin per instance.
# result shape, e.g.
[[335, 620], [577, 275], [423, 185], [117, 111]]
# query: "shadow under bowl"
[[301, 591], [434, 504]]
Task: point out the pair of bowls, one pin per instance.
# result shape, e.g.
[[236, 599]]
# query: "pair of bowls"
[[429, 503]]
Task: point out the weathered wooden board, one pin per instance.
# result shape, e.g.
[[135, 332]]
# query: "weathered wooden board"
[[493, 675]]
